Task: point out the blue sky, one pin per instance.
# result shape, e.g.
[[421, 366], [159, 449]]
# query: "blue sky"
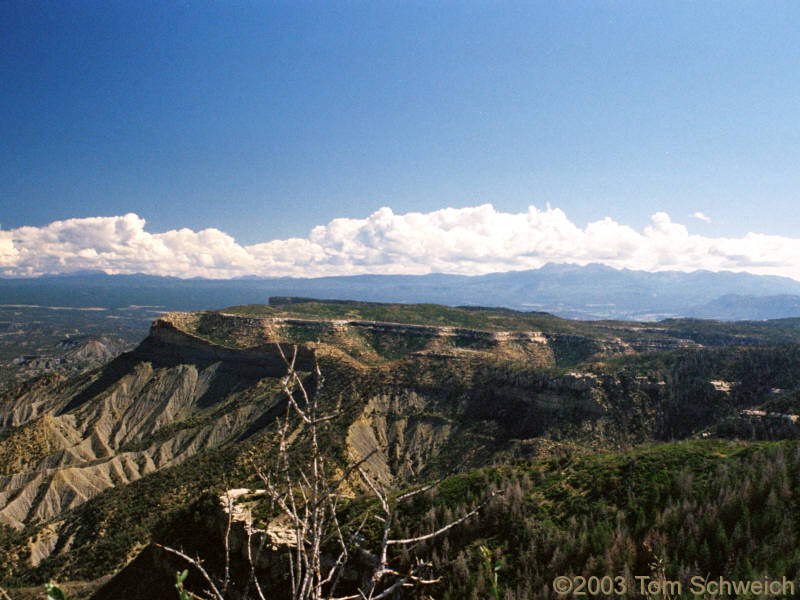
[[264, 120]]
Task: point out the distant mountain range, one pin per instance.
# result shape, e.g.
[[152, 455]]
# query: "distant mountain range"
[[585, 292]]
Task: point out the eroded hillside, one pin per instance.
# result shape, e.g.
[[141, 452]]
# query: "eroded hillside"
[[90, 464]]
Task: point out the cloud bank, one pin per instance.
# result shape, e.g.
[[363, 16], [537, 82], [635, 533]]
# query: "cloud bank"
[[471, 240]]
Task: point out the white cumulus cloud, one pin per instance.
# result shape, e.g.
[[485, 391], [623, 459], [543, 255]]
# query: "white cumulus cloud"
[[702, 217], [471, 240]]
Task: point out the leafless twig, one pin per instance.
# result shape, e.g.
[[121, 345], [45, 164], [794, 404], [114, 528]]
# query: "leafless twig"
[[197, 564]]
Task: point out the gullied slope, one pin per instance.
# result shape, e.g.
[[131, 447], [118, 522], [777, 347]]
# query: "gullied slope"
[[115, 429], [66, 440]]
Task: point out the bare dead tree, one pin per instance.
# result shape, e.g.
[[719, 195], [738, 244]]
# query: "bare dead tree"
[[303, 490]]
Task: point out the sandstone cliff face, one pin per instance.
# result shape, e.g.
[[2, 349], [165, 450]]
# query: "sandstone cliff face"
[[374, 341]]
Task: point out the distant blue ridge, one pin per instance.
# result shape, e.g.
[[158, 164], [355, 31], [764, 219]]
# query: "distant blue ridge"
[[587, 292]]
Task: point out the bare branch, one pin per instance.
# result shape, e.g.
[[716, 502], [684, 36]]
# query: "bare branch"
[[229, 503], [253, 577], [198, 565], [438, 482], [374, 488], [331, 488], [450, 525]]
